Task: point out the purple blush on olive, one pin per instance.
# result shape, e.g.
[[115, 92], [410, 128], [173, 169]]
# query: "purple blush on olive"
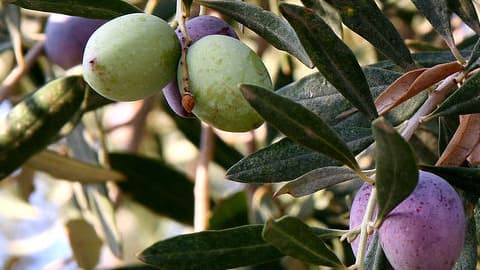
[[66, 37]]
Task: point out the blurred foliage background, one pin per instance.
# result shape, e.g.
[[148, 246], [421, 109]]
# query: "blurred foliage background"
[[49, 223]]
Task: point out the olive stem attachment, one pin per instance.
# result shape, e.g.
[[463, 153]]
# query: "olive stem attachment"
[[364, 229]]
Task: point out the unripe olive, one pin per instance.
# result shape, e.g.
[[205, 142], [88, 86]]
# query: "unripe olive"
[[425, 231], [217, 65], [66, 37], [197, 28], [131, 57]]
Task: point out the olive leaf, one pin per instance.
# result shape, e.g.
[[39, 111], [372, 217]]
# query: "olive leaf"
[[396, 168], [265, 23], [306, 127], [215, 250], [367, 20], [296, 239], [97, 9], [331, 57], [316, 180], [465, 100]]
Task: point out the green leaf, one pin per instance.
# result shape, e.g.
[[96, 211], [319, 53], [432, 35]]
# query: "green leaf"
[[332, 57], [316, 180], [465, 100], [464, 178], [468, 257], [436, 12], [230, 212], [156, 185], [396, 168], [223, 249], [97, 9], [263, 22], [366, 19], [465, 10], [298, 123], [328, 13], [473, 59], [286, 160], [296, 239], [375, 258], [35, 122]]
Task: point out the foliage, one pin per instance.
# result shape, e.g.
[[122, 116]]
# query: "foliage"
[[340, 116]]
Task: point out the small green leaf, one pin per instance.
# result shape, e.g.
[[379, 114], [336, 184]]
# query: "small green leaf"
[[366, 19], [156, 185], [296, 239], [223, 249], [328, 13], [298, 123], [396, 168], [465, 10], [447, 125], [97, 9], [332, 57], [230, 212], [316, 180], [465, 100], [467, 179], [263, 22]]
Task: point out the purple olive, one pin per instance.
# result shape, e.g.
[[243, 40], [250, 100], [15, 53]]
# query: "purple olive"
[[425, 231], [66, 37], [197, 27]]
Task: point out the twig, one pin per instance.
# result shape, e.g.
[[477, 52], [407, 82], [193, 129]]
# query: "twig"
[[16, 74], [201, 190], [435, 98], [362, 246]]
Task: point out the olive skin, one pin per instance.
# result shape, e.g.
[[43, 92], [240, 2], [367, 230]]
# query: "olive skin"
[[197, 27], [131, 57], [425, 231], [217, 65], [66, 37]]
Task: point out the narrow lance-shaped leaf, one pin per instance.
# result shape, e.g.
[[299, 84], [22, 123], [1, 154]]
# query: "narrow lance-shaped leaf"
[[66, 168], [316, 180], [397, 172], [465, 10], [263, 22], [296, 239], [215, 250], [298, 123], [328, 13], [425, 79], [465, 100], [332, 57], [98, 9], [366, 19], [463, 142], [375, 258], [436, 12], [394, 92], [35, 122]]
